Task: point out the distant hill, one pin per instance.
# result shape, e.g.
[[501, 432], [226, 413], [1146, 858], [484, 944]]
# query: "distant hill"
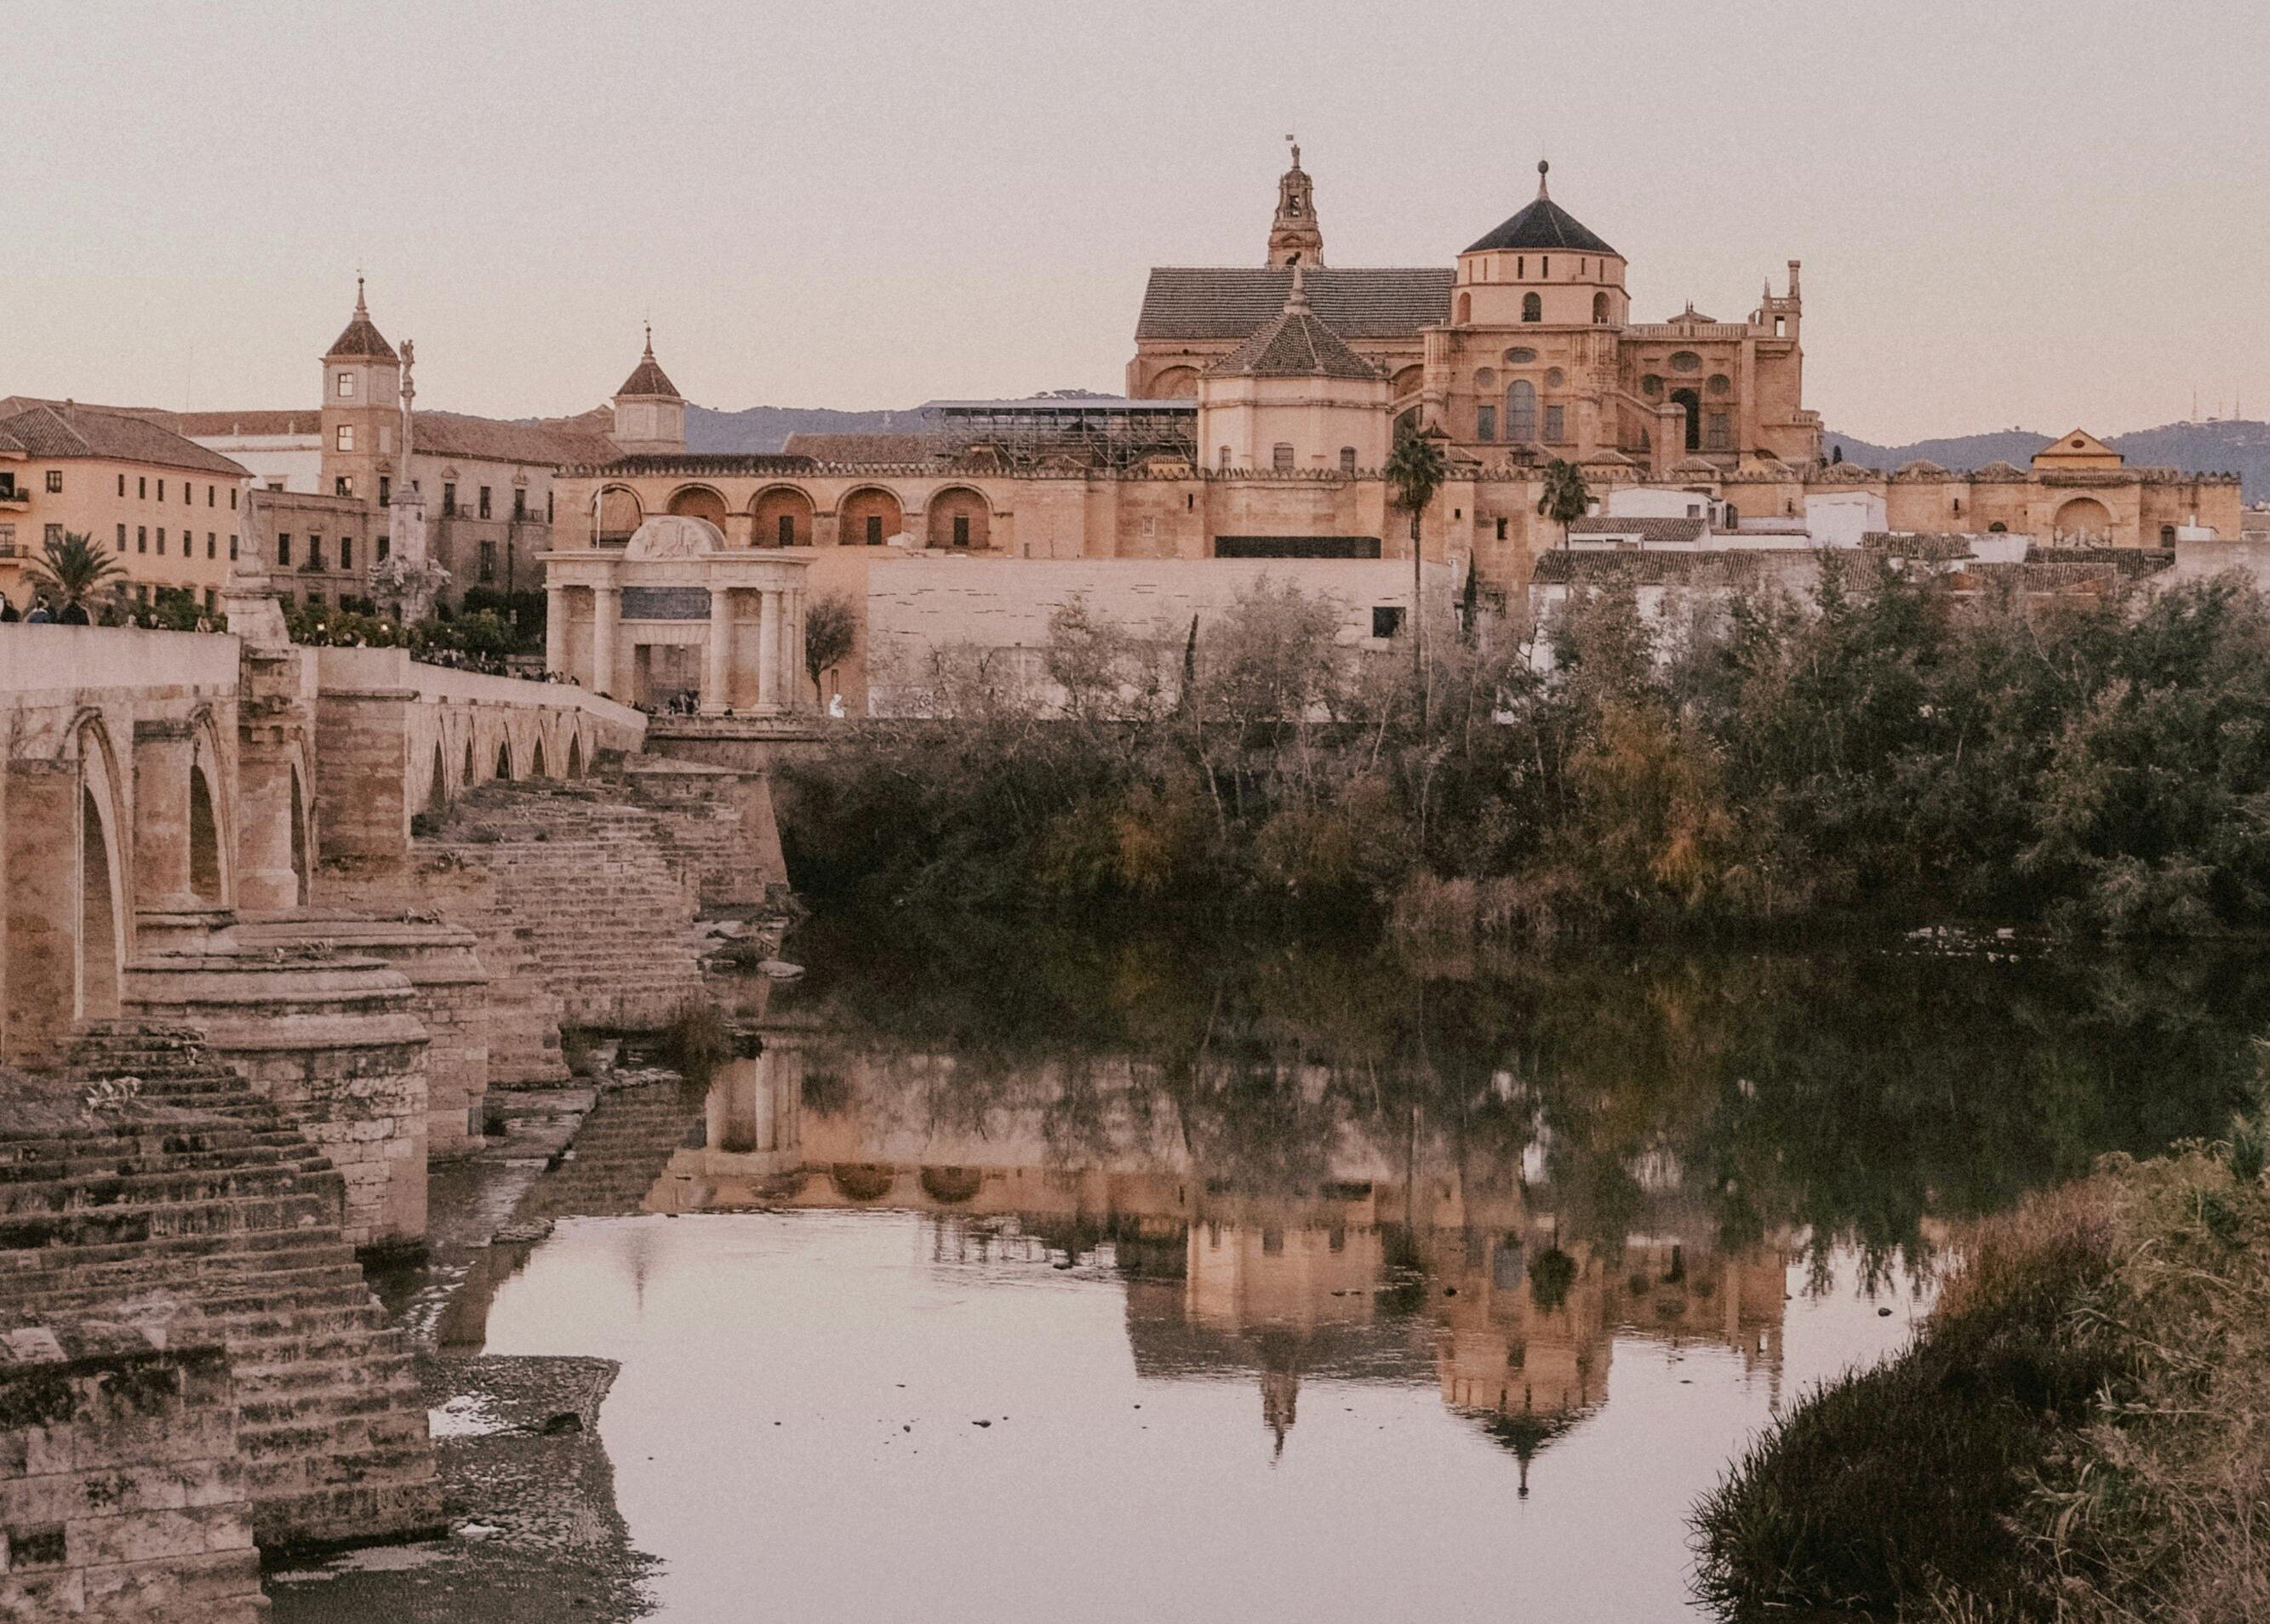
[[2239, 445], [764, 428]]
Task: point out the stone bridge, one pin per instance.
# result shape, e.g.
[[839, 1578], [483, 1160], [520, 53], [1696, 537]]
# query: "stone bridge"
[[175, 812]]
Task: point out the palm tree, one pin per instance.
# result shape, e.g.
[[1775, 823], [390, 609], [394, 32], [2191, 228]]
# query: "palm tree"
[[1565, 499], [72, 567], [1415, 472]]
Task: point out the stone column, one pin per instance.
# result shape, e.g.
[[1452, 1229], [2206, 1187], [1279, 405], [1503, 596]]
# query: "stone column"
[[163, 754], [793, 650], [555, 627], [40, 875], [266, 880], [717, 665], [606, 625], [768, 651]]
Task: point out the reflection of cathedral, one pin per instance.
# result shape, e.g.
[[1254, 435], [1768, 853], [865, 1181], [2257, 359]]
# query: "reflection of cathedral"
[[1398, 1269]]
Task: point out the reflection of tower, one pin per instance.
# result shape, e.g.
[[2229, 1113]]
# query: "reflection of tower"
[[1280, 1381]]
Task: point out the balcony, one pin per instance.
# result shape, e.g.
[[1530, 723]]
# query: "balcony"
[[14, 498]]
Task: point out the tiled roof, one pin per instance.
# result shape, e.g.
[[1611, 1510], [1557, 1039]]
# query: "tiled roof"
[[1651, 532], [361, 338], [648, 377], [490, 439], [1296, 345], [1545, 225], [865, 448], [215, 425], [60, 429], [1231, 301]]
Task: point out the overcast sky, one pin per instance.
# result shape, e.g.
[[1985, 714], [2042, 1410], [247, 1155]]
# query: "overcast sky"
[[2009, 213]]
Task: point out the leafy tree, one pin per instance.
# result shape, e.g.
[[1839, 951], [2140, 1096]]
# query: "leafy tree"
[[831, 631], [70, 571]]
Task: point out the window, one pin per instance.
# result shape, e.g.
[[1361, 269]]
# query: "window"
[[212, 497], [231, 547], [1686, 360], [547, 507], [1556, 424], [1486, 423], [161, 490], [213, 544], [232, 499], [385, 489], [960, 529], [346, 552], [1466, 309], [1781, 327], [1221, 459], [141, 539], [122, 538], [343, 486], [1555, 377], [142, 487], [1520, 411], [7, 541], [161, 541], [519, 503], [1280, 455], [1532, 308], [788, 530], [1545, 266], [385, 548], [448, 497], [211, 601], [874, 529], [1386, 620], [189, 494], [2167, 534], [346, 439], [283, 550], [485, 501], [1347, 459], [1521, 268], [121, 484], [1997, 529], [347, 386], [54, 534], [55, 482], [1501, 530], [314, 600], [489, 560], [1520, 357], [1651, 386], [1718, 436], [314, 553]]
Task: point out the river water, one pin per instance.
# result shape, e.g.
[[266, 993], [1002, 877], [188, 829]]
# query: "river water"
[[1045, 1275]]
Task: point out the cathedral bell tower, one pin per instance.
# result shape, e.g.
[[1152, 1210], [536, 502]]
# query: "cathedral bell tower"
[[1294, 238]]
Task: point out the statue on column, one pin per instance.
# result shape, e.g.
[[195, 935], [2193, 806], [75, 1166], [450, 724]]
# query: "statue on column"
[[248, 596], [409, 579]]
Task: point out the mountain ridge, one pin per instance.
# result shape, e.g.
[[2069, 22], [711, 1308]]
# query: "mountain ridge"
[[2235, 445]]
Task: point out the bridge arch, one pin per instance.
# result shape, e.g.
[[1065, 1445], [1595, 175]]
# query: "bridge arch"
[[209, 814], [535, 765], [103, 874]]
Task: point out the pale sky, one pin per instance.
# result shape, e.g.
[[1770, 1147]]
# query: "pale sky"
[[2037, 214]]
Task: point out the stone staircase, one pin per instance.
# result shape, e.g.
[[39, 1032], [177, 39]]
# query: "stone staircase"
[[582, 888], [187, 1184]]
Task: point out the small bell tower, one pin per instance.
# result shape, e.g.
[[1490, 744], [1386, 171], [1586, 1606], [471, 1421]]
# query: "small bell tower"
[[1295, 237]]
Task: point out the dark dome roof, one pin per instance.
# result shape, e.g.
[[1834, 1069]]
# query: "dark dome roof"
[[1544, 224], [362, 337], [647, 378]]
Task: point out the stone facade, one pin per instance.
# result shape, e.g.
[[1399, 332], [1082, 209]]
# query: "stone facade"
[[121, 1493]]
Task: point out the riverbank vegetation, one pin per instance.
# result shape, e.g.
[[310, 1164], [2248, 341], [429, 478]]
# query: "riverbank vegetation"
[[2081, 1433], [1880, 750]]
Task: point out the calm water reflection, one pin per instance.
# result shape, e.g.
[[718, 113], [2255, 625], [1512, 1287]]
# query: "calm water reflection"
[[1293, 1285]]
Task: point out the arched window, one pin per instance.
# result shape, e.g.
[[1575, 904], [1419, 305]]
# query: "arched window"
[[1599, 310], [1532, 308], [2167, 534], [1997, 529], [1347, 466], [1693, 402], [1466, 309], [1521, 409]]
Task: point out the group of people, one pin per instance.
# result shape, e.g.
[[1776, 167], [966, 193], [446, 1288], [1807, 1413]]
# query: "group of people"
[[71, 615]]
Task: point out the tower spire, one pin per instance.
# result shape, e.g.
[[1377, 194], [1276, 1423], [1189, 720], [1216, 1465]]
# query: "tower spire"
[[1294, 238], [1542, 168]]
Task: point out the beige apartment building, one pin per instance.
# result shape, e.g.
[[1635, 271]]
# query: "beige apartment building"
[[165, 508]]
